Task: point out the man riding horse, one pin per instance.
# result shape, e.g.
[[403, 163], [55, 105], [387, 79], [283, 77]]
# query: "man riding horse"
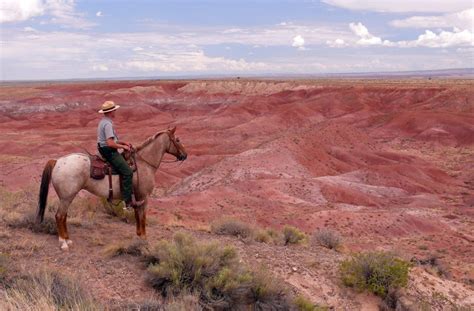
[[108, 144]]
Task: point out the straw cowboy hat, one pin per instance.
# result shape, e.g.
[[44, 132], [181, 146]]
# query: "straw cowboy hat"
[[108, 106]]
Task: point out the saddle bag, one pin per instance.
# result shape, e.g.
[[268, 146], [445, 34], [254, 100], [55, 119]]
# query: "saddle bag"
[[97, 168]]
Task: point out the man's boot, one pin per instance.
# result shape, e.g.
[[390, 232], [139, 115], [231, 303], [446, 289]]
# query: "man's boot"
[[134, 203]]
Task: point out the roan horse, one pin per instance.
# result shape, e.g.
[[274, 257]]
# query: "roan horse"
[[71, 173]]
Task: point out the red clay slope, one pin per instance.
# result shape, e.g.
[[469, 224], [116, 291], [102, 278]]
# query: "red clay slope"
[[388, 164]]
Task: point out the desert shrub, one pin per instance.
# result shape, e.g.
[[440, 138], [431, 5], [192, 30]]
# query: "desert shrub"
[[327, 238], [303, 304], [268, 236], [215, 272], [292, 235], [4, 261], [233, 227], [433, 265], [377, 272], [184, 302], [117, 209], [28, 221], [46, 291], [134, 248]]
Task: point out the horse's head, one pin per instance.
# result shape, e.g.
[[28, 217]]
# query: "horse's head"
[[175, 147]]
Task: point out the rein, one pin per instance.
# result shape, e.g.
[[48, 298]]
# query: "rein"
[[172, 140]]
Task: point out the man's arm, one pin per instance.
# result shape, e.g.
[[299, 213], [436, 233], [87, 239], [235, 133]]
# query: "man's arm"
[[112, 144]]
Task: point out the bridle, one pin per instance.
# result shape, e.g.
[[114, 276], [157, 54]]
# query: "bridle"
[[173, 141]]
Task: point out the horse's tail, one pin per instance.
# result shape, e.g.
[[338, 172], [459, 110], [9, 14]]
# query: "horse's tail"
[[44, 188]]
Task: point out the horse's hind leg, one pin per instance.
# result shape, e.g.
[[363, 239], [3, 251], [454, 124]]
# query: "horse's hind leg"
[[61, 216]]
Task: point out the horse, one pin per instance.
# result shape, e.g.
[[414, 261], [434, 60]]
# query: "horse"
[[71, 173]]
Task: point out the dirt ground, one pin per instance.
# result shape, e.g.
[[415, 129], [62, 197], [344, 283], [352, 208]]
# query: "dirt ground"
[[387, 164]]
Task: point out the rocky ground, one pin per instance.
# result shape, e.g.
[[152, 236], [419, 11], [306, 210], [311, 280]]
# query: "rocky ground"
[[388, 164]]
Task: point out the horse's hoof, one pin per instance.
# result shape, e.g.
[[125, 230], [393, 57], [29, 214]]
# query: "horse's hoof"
[[64, 247], [69, 242]]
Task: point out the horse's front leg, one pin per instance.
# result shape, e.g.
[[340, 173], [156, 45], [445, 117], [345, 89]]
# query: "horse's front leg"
[[61, 217], [140, 217]]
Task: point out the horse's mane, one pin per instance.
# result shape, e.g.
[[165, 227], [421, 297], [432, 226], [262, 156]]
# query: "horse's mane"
[[147, 141]]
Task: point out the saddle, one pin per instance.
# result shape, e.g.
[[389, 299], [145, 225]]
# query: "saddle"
[[100, 168]]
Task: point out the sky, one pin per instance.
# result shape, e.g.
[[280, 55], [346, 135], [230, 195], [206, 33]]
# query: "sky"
[[68, 39]]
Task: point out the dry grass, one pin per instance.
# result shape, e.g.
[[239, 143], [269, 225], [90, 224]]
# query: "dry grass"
[[28, 221], [292, 235], [303, 304], [117, 209], [434, 265], [268, 236], [327, 238], [4, 261], [216, 273], [232, 227], [134, 248], [46, 290]]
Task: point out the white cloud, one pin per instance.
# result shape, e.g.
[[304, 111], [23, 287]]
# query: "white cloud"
[[62, 12], [366, 38], [338, 43], [298, 42], [100, 67], [189, 61], [17, 11], [400, 6], [137, 49], [442, 40], [29, 29], [463, 20], [99, 14]]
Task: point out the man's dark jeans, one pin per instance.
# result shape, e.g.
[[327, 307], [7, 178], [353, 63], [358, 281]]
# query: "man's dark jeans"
[[120, 165]]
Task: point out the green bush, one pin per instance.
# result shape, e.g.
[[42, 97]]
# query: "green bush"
[[215, 272], [377, 272], [292, 235], [233, 227]]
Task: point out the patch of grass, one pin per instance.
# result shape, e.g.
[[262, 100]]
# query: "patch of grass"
[[303, 304], [327, 238], [4, 261], [28, 221], [135, 248], [268, 236], [117, 209], [215, 272], [233, 227], [46, 290], [183, 302], [434, 266], [292, 235], [377, 272]]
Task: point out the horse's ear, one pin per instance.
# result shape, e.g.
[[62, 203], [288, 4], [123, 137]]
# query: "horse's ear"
[[173, 129]]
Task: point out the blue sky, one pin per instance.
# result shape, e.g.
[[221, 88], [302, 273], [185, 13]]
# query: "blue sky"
[[64, 39]]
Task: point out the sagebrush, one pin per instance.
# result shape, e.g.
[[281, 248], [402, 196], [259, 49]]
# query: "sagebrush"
[[292, 235], [215, 272], [327, 238], [233, 227], [377, 272]]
